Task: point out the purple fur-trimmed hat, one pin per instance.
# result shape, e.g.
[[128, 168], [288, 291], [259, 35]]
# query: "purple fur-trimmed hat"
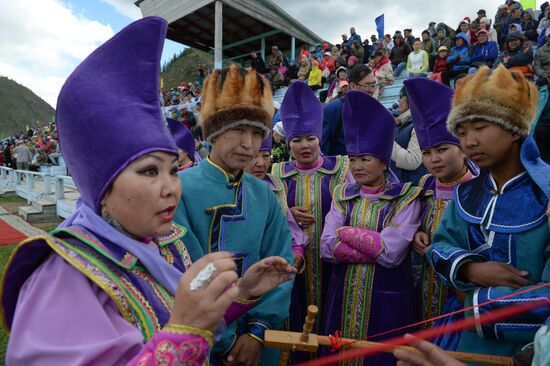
[[182, 136], [369, 128], [430, 104], [301, 112], [108, 110], [267, 143]]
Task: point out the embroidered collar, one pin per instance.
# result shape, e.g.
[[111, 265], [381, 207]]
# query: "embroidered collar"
[[273, 182], [114, 253], [315, 165], [351, 191], [329, 167], [176, 232], [218, 174], [520, 206]]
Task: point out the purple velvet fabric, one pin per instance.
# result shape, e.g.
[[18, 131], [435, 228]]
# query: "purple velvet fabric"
[[182, 137], [369, 128], [267, 143], [301, 112], [430, 104], [108, 110]]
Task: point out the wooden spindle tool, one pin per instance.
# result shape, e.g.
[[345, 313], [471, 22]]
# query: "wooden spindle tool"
[[312, 311]]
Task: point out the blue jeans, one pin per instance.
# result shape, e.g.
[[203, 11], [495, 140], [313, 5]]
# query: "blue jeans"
[[398, 69]]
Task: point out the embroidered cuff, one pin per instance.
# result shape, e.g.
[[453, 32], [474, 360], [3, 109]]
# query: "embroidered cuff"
[[346, 254], [298, 250], [256, 329], [185, 329], [366, 241], [238, 308]]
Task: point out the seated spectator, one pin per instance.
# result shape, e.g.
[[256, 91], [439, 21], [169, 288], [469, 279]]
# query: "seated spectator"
[[381, 66], [409, 38], [542, 62], [399, 54], [442, 40], [379, 46], [344, 88], [292, 72], [428, 45], [352, 61], [544, 23], [276, 79], [315, 76], [357, 50], [406, 157], [328, 62], [441, 65], [449, 32], [304, 52], [470, 34], [368, 51], [515, 28], [518, 55], [334, 88], [530, 25], [388, 43], [459, 59], [303, 71], [257, 63], [417, 61], [485, 24], [335, 52], [484, 52], [340, 61]]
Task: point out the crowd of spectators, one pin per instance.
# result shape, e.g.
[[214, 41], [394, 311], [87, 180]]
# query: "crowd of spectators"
[[32, 149]]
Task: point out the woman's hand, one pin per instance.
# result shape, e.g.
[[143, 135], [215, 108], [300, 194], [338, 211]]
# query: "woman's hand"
[[303, 219], [205, 307], [421, 242], [263, 276], [491, 274]]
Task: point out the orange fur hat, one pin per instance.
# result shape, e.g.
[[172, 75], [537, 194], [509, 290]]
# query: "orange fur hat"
[[499, 96], [235, 96]]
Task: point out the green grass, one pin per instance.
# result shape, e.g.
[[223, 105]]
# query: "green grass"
[[5, 252], [11, 199]]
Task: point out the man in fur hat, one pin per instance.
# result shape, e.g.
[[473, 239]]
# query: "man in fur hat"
[[493, 239], [227, 210]]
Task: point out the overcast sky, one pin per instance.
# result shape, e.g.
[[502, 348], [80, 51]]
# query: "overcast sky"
[[42, 41]]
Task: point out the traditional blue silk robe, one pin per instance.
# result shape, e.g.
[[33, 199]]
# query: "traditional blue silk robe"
[[241, 216], [510, 227]]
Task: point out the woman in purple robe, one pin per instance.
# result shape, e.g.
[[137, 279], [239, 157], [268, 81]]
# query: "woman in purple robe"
[[430, 104], [309, 182], [114, 284], [368, 232]]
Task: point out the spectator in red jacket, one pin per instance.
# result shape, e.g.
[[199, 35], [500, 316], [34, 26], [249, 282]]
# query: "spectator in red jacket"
[[441, 64]]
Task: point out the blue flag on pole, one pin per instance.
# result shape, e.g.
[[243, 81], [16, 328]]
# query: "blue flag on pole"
[[380, 26]]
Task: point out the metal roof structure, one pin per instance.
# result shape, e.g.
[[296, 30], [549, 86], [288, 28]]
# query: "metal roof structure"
[[247, 25]]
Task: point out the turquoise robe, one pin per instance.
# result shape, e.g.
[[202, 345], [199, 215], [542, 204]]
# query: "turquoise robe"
[[511, 227], [244, 217]]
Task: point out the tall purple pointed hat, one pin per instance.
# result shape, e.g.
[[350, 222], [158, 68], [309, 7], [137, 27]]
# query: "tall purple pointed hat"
[[301, 112], [267, 143], [369, 128], [122, 121], [182, 136], [430, 104]]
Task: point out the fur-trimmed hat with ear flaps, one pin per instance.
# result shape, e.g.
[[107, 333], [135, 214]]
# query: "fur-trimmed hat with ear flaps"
[[232, 97], [499, 96]]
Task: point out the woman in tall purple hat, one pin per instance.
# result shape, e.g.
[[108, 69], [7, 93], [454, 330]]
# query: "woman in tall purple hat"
[[109, 287], [259, 168], [309, 182], [430, 104], [187, 155], [368, 232]]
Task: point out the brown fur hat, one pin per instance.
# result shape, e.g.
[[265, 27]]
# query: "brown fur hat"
[[235, 96], [500, 96]]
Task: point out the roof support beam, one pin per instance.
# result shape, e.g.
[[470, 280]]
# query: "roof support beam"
[[218, 40], [250, 39]]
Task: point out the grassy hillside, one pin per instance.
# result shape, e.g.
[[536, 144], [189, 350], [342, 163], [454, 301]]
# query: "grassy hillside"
[[183, 67], [19, 106]]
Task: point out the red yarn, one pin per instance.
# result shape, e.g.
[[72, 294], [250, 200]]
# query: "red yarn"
[[457, 326]]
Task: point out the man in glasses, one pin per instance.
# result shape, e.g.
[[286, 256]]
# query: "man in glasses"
[[361, 78]]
